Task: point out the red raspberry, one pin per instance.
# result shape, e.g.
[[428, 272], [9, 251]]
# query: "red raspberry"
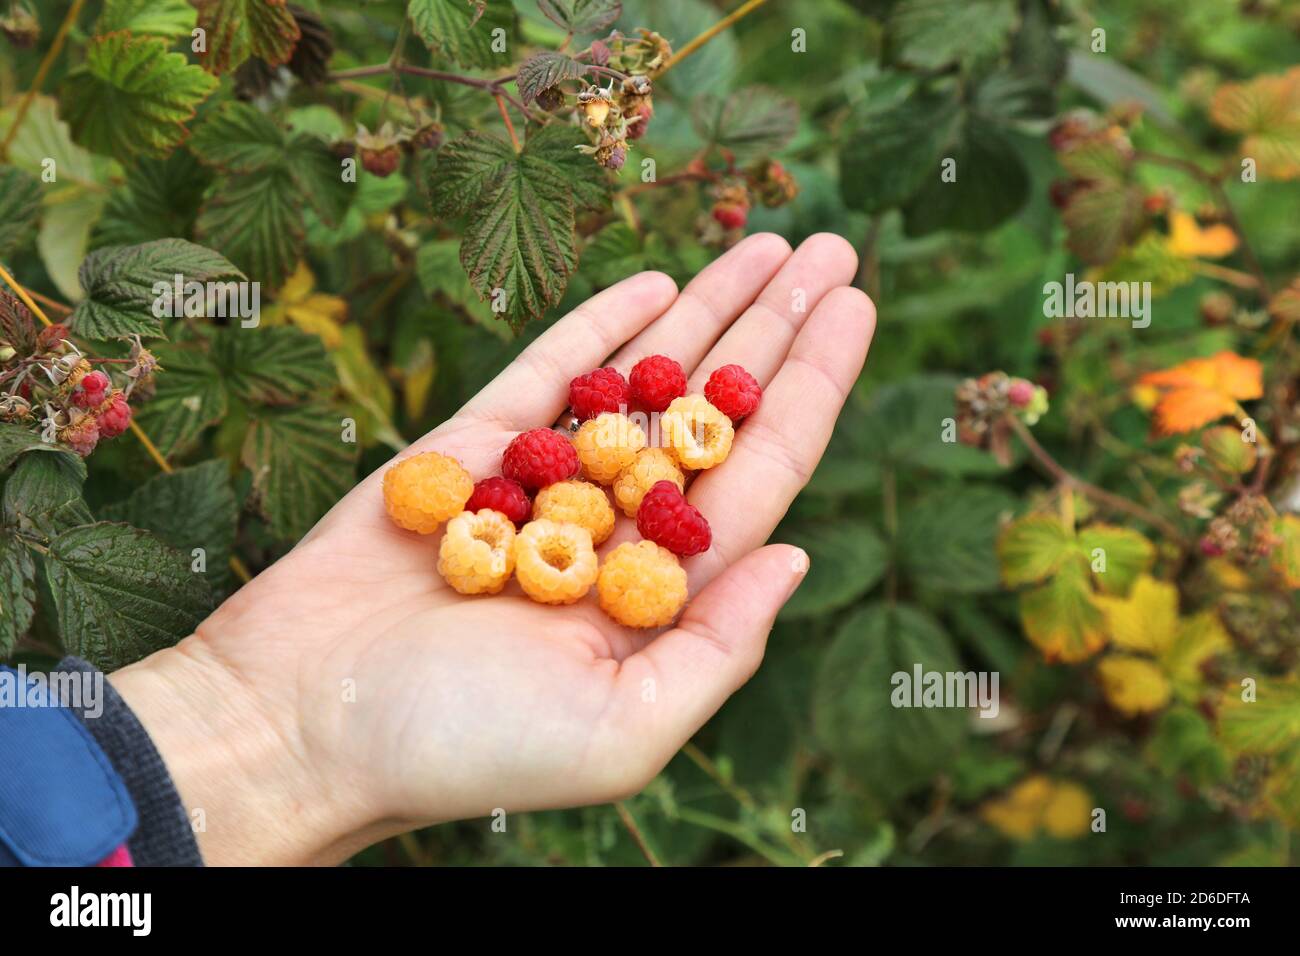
[[1021, 393], [539, 458], [503, 495], [91, 390], [670, 521], [730, 215], [82, 435], [656, 381], [733, 391], [114, 416], [604, 390]]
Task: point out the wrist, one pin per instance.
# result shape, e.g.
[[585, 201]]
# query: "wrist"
[[253, 792]]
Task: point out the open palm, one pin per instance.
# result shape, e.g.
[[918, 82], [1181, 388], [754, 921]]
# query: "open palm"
[[414, 704]]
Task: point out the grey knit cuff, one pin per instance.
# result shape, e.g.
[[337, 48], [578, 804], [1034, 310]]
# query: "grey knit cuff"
[[164, 836]]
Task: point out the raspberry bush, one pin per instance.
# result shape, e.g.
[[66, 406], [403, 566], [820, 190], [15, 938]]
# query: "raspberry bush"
[[1100, 510]]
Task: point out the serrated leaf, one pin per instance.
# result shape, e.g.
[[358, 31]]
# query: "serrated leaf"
[[274, 365], [1268, 724], [190, 508], [991, 185], [1199, 638], [15, 440], [190, 397], [437, 266], [238, 29], [20, 205], [120, 593], [1102, 219], [847, 559], [946, 539], [890, 750], [890, 155], [43, 495], [255, 219], [160, 198], [1061, 617], [301, 466], [458, 31], [751, 123], [161, 18], [543, 70], [120, 285], [1266, 110], [132, 97], [1032, 548], [1117, 556], [319, 177], [238, 138], [581, 16], [17, 592], [934, 33], [1132, 685]]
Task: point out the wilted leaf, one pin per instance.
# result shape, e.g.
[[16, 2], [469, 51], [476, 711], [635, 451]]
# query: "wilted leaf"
[[1189, 239], [1267, 111], [1199, 638], [1039, 804], [1061, 617], [1146, 620], [238, 29], [1198, 391], [1132, 685]]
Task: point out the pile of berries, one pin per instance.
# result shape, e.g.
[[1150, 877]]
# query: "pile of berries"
[[543, 517]]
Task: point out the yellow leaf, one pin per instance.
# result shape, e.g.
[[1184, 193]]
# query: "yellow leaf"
[[1285, 558], [314, 312], [1061, 616], [1038, 804], [1199, 391], [1146, 620], [1267, 110], [1188, 240], [1132, 685], [1199, 638], [1068, 811]]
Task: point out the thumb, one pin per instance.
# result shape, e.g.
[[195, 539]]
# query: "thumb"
[[715, 648]]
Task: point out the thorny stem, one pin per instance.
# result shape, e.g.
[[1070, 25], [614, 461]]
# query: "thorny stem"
[[742, 11], [42, 72], [1099, 495], [637, 836], [496, 87]]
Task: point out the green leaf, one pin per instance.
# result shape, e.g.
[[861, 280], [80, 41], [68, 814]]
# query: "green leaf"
[[273, 365], [1101, 219], [946, 538], [543, 70], [301, 466], [15, 440], [120, 594], [934, 33], [437, 266], [991, 185], [160, 198], [161, 18], [43, 495], [238, 29], [190, 397], [132, 96], [238, 138], [445, 27], [892, 154], [318, 174], [1123, 552], [20, 205], [17, 592], [751, 123], [848, 558], [889, 750], [1269, 724], [190, 508], [256, 220], [581, 16], [1061, 618], [120, 285], [1033, 548]]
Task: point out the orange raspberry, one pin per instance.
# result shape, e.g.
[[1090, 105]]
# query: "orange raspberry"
[[577, 502], [477, 553], [641, 585], [423, 491], [555, 563], [607, 444], [650, 465], [699, 435]]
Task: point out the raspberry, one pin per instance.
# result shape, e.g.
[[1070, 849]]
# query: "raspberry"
[[503, 495], [1021, 392], [641, 585], [670, 521], [423, 491], [733, 391], [554, 562], [607, 444], [114, 416], [650, 466], [656, 381], [91, 390], [604, 390], [730, 215], [699, 435], [577, 502], [477, 553], [81, 435], [539, 458]]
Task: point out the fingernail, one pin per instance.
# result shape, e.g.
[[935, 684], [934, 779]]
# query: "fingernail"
[[799, 565]]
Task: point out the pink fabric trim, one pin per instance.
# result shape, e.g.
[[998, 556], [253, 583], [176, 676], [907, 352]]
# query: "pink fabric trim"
[[119, 857]]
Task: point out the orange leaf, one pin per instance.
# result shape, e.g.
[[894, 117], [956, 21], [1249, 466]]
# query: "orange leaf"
[[1188, 240], [1199, 391]]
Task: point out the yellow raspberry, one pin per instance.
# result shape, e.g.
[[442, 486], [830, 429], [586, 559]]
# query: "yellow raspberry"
[[577, 502], [649, 466], [423, 491], [641, 585], [477, 553], [699, 435], [607, 444], [555, 563]]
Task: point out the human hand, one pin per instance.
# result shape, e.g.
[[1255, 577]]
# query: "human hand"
[[347, 693]]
